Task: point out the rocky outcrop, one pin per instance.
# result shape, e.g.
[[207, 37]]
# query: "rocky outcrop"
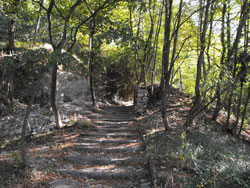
[[72, 96], [41, 119]]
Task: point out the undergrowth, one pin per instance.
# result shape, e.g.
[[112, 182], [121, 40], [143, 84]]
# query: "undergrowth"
[[196, 159]]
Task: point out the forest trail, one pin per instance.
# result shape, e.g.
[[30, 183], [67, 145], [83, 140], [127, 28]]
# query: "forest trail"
[[110, 153]]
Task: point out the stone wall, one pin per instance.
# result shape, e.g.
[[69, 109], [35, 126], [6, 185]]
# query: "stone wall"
[[140, 100]]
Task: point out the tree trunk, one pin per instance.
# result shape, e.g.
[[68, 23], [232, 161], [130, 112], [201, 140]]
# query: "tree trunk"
[[11, 36], [90, 63], [58, 48], [11, 90], [197, 101], [244, 112], [38, 24], [53, 96], [233, 51], [181, 83], [25, 122], [217, 93], [156, 42], [228, 25], [165, 61], [207, 68], [238, 108]]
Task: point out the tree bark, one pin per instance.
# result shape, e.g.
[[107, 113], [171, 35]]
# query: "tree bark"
[[58, 47], [11, 36], [38, 24], [53, 96], [156, 42], [165, 62], [217, 93], [25, 123], [238, 108], [11, 89], [244, 112], [90, 63], [228, 25], [197, 101], [232, 54]]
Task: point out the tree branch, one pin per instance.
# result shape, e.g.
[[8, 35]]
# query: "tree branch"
[[52, 2], [103, 6]]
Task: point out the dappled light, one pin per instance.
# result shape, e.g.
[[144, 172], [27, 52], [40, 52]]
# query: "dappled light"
[[124, 94]]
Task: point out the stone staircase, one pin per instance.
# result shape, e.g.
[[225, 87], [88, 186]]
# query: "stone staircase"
[[110, 154]]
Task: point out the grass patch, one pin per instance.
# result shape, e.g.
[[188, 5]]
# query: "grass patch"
[[82, 124]]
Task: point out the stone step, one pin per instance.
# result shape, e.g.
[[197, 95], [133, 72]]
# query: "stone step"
[[107, 144], [119, 108], [109, 120], [111, 130], [116, 116], [116, 111], [100, 123], [113, 115], [107, 140], [105, 160], [111, 135], [118, 126], [69, 183], [107, 172], [108, 149]]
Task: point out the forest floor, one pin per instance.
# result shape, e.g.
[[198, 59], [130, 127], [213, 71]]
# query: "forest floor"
[[204, 156], [105, 149]]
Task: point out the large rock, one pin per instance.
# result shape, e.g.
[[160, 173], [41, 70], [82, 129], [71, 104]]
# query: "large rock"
[[75, 90], [70, 87]]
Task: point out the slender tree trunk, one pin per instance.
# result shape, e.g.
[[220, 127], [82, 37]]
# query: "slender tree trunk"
[[11, 90], [218, 100], [238, 108], [173, 58], [197, 101], [25, 123], [148, 52], [11, 36], [228, 25], [207, 68], [53, 96], [91, 84], [156, 42], [244, 112], [136, 70], [58, 48], [38, 24], [165, 61], [90, 63], [233, 52], [134, 44], [180, 79], [242, 75]]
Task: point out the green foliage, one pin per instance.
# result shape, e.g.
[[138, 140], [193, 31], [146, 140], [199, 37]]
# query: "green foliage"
[[225, 168], [201, 159], [82, 124], [4, 27], [37, 55]]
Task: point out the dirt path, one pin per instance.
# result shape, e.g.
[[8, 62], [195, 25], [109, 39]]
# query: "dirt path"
[[109, 154]]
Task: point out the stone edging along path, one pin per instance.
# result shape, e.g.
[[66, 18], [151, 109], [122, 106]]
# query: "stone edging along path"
[[111, 150]]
